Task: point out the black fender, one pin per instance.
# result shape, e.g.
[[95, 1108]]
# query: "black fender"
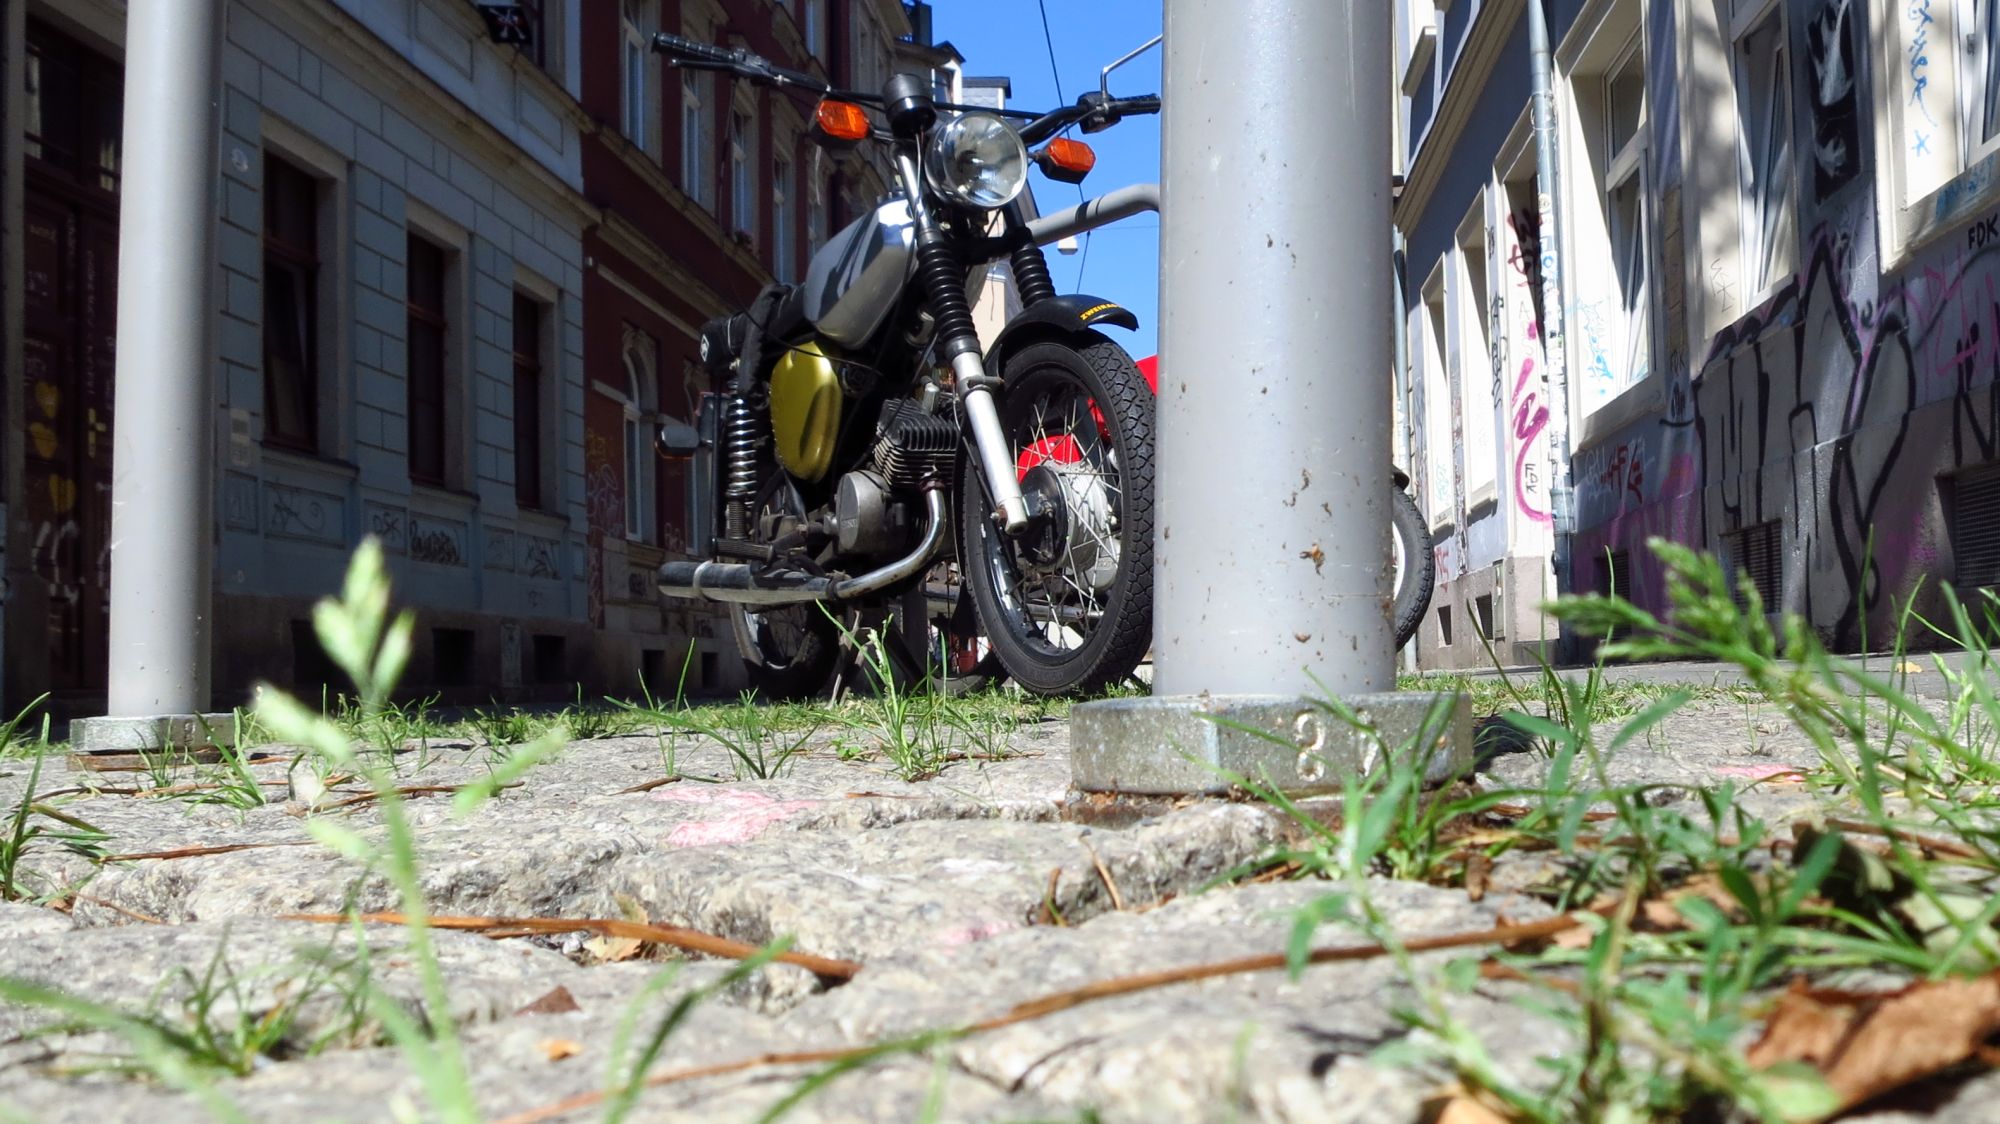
[[1056, 317]]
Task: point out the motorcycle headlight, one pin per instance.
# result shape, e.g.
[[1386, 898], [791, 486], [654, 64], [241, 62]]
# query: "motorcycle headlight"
[[977, 159]]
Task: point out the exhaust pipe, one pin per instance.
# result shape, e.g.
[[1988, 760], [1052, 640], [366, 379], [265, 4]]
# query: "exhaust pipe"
[[741, 584]]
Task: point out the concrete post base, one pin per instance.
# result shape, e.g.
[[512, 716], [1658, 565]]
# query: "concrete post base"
[[1190, 744], [179, 733]]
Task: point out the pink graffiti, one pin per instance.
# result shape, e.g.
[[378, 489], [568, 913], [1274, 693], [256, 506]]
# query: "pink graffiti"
[[1530, 418], [972, 934], [746, 815]]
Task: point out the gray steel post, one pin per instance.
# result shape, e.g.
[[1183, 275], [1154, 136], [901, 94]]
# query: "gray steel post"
[[1548, 191], [1272, 484], [162, 452]]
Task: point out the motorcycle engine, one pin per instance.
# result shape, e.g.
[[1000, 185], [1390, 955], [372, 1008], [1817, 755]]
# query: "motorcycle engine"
[[872, 512]]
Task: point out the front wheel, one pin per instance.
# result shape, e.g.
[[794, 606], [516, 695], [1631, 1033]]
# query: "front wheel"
[[1068, 606]]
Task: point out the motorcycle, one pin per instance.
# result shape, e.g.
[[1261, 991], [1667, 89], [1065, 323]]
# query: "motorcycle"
[[861, 434]]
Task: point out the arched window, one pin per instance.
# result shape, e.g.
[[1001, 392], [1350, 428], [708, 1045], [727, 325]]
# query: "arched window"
[[642, 361]]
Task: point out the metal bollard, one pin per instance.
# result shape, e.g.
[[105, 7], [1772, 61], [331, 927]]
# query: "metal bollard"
[[162, 506], [1272, 489]]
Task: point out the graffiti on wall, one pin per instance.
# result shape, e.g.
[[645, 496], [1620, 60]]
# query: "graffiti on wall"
[[1525, 399], [1832, 410], [1836, 111]]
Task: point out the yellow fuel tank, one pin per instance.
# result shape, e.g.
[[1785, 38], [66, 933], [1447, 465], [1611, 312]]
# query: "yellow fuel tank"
[[805, 411]]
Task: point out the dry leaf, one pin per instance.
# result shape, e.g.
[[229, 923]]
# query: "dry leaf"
[[556, 1002], [1868, 1044], [613, 949], [1662, 914], [556, 1049], [1463, 1109], [1909, 667], [1478, 868], [610, 950]]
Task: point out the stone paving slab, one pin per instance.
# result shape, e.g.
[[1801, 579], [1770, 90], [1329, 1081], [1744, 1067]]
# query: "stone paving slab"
[[946, 891]]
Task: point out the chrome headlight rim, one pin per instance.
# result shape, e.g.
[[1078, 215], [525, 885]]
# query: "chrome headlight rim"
[[1008, 154]]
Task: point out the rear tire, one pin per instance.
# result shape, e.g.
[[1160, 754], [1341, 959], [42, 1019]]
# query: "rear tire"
[[1416, 570], [789, 651], [1079, 422]]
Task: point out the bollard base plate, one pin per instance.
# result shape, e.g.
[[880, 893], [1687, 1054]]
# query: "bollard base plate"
[[1190, 744], [191, 734]]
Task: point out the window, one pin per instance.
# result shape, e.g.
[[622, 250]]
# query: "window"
[[75, 108], [742, 190], [1610, 215], [1942, 58], [1475, 356], [424, 341], [638, 74], [528, 317], [1764, 143], [783, 219], [641, 363], [291, 305], [866, 58], [535, 15], [816, 216], [815, 29], [1434, 406], [694, 137]]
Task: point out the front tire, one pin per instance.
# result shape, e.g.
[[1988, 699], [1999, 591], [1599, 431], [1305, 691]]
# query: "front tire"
[[1068, 607]]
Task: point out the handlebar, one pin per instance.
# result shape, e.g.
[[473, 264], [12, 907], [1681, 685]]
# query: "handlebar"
[[1093, 111]]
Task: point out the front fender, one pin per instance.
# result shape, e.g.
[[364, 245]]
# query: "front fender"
[[1057, 316]]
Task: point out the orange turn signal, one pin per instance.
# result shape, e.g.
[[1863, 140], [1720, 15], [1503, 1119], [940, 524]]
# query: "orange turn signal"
[[843, 120], [1072, 156]]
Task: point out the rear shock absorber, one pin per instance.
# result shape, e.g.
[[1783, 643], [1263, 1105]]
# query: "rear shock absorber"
[[742, 436], [1031, 275]]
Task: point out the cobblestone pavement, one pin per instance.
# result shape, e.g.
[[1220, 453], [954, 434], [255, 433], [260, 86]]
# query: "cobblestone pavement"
[[961, 896]]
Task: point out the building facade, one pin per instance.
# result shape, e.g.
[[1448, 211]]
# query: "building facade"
[[1755, 306], [459, 283]]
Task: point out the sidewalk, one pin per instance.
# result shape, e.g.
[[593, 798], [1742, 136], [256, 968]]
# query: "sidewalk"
[[960, 897]]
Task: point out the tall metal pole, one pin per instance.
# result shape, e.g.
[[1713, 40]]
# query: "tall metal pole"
[[162, 475], [1548, 191], [1272, 481]]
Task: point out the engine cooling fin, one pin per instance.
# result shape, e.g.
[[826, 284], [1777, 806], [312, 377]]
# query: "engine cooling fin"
[[911, 445]]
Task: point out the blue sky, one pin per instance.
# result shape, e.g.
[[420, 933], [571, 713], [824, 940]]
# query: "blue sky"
[[1004, 37]]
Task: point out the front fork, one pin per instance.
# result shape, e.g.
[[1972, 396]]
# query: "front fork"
[[943, 278]]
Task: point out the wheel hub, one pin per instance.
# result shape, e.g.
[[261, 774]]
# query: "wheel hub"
[[1073, 524]]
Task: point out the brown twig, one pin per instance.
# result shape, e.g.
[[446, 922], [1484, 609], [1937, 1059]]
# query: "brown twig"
[[1104, 874], [1050, 914], [1930, 843], [1089, 993], [406, 790], [648, 786], [197, 852], [116, 908], [692, 940]]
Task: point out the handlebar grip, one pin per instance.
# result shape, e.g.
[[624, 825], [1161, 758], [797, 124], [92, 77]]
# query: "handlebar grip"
[[688, 48], [1145, 103]]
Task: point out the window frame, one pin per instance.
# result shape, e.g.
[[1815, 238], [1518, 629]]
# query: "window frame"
[[1764, 268], [1471, 317], [639, 357], [304, 263], [637, 96], [743, 165], [784, 217], [1926, 187], [436, 320], [530, 396]]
